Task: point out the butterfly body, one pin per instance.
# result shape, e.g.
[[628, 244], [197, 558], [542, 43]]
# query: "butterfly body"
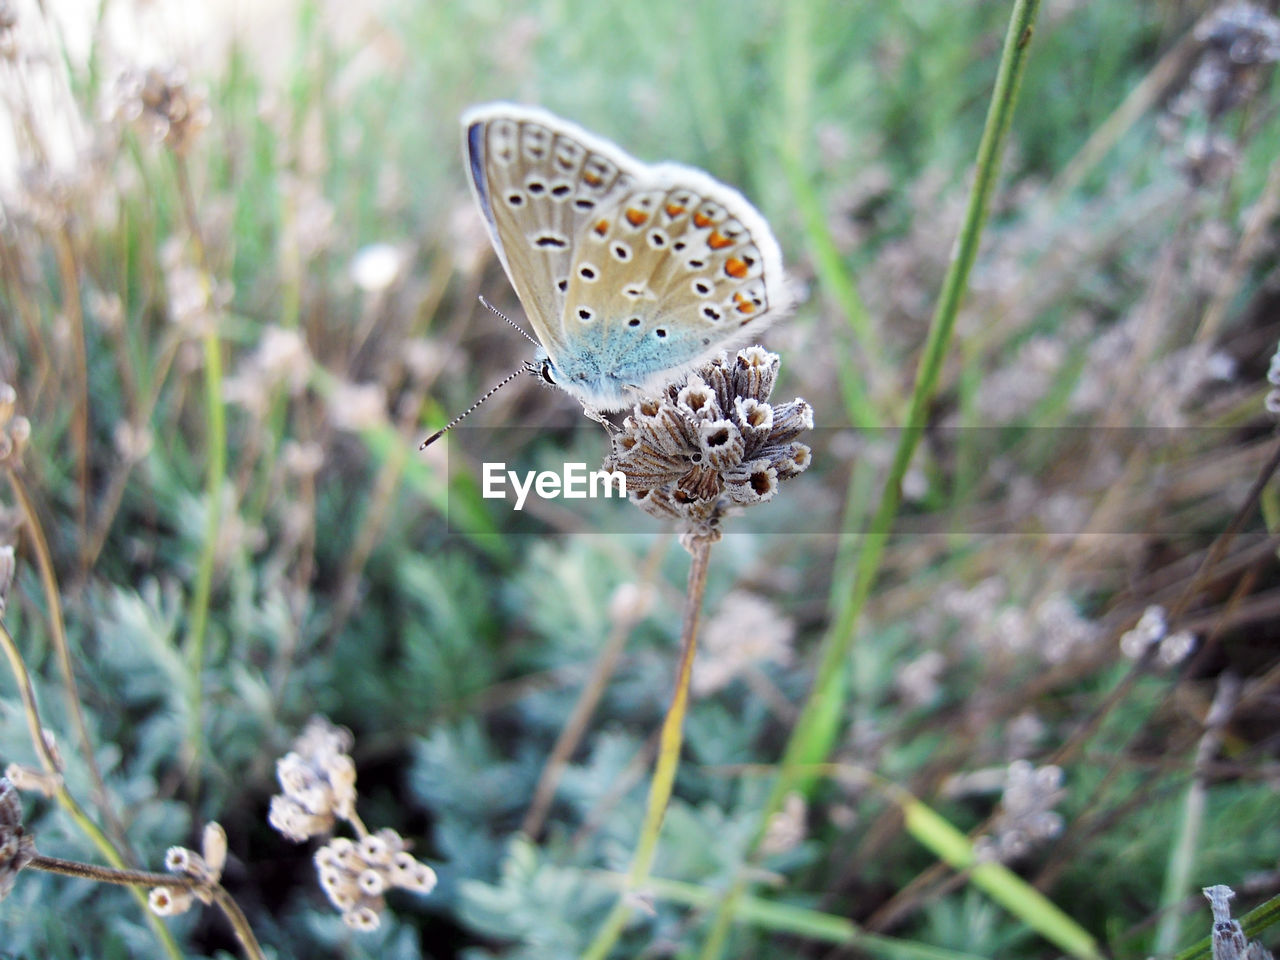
[[631, 274]]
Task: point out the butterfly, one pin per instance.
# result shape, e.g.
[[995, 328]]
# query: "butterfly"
[[631, 274]]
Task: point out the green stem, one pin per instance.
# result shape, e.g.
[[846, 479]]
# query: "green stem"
[[664, 771], [811, 741], [215, 470]]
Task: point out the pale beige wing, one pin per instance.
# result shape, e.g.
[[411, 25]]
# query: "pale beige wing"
[[539, 180]]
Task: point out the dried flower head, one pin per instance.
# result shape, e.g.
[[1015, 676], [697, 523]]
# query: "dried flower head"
[[32, 780], [8, 567], [213, 846], [14, 431], [1238, 39], [1146, 633], [630, 603], [195, 299], [917, 681], [1272, 402], [378, 266], [17, 848], [712, 443], [318, 778], [356, 875], [358, 406], [282, 361], [1026, 814], [786, 828], [160, 103], [318, 783], [746, 631], [1229, 941]]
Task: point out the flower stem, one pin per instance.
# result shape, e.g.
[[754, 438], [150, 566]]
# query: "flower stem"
[[664, 771], [145, 878]]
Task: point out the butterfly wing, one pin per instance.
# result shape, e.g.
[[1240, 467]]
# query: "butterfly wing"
[[538, 181], [665, 275]]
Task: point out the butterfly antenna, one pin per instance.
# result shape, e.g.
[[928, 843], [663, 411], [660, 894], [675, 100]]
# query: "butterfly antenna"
[[498, 312], [526, 367]]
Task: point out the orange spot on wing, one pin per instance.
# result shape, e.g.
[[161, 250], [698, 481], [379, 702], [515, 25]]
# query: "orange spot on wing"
[[735, 268], [594, 179], [744, 305], [718, 241], [601, 228], [701, 220], [636, 217], [674, 209]]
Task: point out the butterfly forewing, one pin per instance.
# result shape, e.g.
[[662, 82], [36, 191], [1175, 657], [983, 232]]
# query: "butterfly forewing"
[[539, 181]]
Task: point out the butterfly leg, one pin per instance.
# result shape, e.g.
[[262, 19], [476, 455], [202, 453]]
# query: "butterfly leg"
[[600, 418]]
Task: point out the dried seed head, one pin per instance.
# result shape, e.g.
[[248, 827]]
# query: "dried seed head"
[[8, 567], [1229, 941], [15, 432], [786, 828], [17, 848], [363, 918], [31, 780], [318, 783], [213, 845], [712, 443], [631, 603], [170, 901], [1146, 633], [1026, 816], [1272, 402], [161, 105], [745, 632], [354, 876]]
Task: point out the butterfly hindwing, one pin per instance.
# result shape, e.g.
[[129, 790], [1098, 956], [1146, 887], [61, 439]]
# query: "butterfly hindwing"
[[668, 274]]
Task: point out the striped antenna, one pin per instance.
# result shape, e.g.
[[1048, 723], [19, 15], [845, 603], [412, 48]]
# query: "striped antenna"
[[526, 367], [499, 313]]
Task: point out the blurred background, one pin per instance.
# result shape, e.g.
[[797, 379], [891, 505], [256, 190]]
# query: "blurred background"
[[240, 279]]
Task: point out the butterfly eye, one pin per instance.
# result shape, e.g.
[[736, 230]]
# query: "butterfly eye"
[[545, 372]]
